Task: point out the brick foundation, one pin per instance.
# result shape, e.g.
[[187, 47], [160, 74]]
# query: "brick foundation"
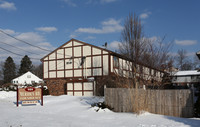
[[56, 87]]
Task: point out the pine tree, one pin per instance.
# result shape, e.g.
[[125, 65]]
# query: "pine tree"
[[9, 68], [38, 70], [26, 65]]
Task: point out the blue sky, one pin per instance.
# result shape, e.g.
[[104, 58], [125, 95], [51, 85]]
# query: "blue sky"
[[50, 23]]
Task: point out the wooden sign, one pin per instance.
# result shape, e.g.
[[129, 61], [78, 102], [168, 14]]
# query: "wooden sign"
[[29, 95]]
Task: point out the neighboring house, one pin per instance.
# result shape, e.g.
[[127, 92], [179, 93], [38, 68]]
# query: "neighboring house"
[[27, 78], [198, 54], [72, 68], [186, 78]]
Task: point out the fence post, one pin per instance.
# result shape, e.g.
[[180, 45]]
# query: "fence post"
[[42, 95], [104, 90], [17, 96], [193, 94]]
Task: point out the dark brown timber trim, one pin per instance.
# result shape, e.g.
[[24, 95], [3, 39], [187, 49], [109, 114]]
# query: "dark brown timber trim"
[[91, 61], [48, 67], [56, 64], [64, 64], [102, 62]]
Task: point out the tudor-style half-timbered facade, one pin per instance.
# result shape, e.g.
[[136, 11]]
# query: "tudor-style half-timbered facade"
[[71, 69]]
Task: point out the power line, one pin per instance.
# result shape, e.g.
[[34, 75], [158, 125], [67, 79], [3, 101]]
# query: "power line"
[[29, 43], [18, 48], [16, 53], [24, 41], [11, 52]]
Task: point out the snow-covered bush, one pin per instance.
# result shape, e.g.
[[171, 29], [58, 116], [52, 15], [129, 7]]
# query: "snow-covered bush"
[[100, 105], [45, 90]]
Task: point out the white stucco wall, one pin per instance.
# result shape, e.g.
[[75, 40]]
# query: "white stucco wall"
[[66, 62]]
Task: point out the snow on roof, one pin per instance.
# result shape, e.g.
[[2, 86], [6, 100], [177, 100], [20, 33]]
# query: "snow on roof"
[[198, 54], [183, 73], [23, 76]]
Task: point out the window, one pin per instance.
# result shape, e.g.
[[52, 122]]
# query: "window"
[[174, 78], [28, 76], [32, 82], [193, 77], [141, 69], [130, 74], [137, 68], [149, 71], [116, 61], [154, 72], [121, 72]]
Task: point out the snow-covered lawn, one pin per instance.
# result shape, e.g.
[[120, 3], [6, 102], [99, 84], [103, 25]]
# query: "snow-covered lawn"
[[69, 111]]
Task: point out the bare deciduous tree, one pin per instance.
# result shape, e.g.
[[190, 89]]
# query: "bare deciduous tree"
[[157, 54], [181, 58], [1, 66], [142, 50], [196, 62], [133, 42], [145, 54]]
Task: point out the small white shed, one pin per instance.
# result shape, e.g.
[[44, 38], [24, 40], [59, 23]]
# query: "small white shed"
[[27, 78]]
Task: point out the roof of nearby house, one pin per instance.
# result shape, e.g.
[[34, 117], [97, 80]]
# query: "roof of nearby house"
[[27, 73], [198, 54], [111, 52], [187, 73]]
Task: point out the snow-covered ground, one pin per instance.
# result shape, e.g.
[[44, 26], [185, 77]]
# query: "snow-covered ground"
[[69, 111]]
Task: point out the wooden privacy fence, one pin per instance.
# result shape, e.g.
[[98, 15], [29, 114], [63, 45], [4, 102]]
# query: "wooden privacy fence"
[[177, 103]]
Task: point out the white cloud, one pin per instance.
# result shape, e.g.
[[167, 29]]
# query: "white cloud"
[[114, 45], [185, 42], [145, 15], [31, 35], [32, 38], [47, 29], [72, 36], [90, 37], [108, 1], [153, 38], [108, 26], [7, 5], [9, 31], [70, 3], [189, 54]]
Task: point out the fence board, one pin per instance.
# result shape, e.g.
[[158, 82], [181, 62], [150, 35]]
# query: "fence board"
[[177, 103]]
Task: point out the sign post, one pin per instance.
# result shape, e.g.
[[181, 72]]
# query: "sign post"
[[29, 95], [42, 95], [17, 96]]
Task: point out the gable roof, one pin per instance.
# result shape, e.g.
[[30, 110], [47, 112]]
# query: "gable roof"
[[84, 43], [109, 51], [27, 73]]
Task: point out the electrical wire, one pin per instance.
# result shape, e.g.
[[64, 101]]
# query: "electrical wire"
[[29, 43], [16, 53], [18, 48], [24, 41]]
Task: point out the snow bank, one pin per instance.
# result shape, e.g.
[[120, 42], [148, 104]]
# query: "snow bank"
[[69, 111], [6, 95]]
